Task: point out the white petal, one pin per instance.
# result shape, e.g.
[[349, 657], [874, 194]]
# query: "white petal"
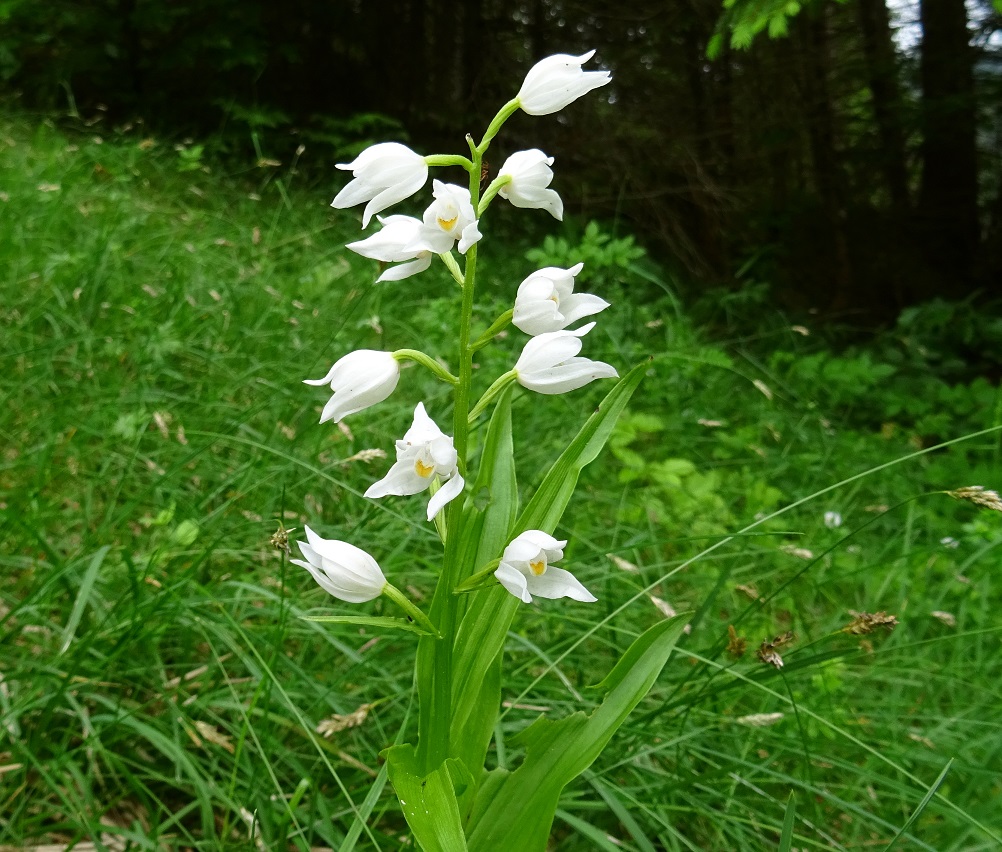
[[405, 270], [558, 583], [446, 494], [401, 481], [572, 374], [544, 541], [514, 581], [471, 235], [578, 305], [391, 195]]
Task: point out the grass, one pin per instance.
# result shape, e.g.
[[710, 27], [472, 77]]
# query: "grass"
[[158, 688]]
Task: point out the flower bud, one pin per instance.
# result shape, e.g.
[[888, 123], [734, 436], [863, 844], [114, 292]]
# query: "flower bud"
[[556, 81], [384, 174], [546, 301], [359, 379], [547, 364], [342, 570], [530, 175]]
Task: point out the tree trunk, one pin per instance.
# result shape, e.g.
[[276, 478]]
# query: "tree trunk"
[[948, 203], [882, 71]]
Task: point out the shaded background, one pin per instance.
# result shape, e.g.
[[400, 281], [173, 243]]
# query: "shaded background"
[[847, 154]]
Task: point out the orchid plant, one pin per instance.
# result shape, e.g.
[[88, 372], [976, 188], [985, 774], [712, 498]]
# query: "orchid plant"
[[498, 556]]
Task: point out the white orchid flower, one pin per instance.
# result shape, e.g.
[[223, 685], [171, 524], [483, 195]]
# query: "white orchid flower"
[[450, 218], [556, 81], [400, 239], [359, 379], [530, 175], [546, 301], [526, 569], [342, 570], [548, 364], [424, 453], [384, 174]]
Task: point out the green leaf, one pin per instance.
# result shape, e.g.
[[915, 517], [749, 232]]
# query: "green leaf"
[[715, 44], [430, 802], [381, 621], [547, 505], [514, 810], [482, 633], [489, 530], [786, 839], [83, 596]]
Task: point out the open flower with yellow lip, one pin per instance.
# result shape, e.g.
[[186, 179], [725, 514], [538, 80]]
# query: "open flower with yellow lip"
[[424, 454], [526, 569], [449, 219]]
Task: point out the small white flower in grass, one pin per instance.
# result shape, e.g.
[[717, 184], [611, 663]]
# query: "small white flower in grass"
[[449, 219], [546, 301], [526, 569], [384, 174], [548, 364], [342, 570], [833, 520], [424, 453], [359, 379], [556, 81], [530, 175], [400, 239]]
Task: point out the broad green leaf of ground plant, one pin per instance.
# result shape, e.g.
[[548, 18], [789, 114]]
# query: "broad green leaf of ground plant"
[[431, 803], [514, 810]]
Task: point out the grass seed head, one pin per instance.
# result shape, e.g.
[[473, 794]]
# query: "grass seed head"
[[979, 496]]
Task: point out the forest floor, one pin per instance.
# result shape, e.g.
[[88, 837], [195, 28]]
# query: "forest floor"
[[158, 687]]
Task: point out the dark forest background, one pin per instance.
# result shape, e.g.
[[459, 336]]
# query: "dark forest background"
[[803, 146]]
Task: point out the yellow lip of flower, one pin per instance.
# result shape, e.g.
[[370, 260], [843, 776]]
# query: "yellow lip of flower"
[[422, 469], [446, 224], [538, 568]]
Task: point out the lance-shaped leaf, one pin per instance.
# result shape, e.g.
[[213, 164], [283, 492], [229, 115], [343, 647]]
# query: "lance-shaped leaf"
[[544, 510], [431, 802], [483, 630], [514, 810], [476, 683]]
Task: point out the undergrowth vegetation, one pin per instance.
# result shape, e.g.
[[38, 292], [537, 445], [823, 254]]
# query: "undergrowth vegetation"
[[158, 688]]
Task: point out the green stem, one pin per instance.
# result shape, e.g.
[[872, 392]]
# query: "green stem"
[[415, 614], [434, 663], [492, 130], [448, 160], [426, 360], [498, 325], [478, 580], [492, 190], [449, 259], [500, 383]]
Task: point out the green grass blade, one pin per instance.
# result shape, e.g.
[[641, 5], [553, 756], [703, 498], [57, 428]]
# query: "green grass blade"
[[83, 597], [921, 806]]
